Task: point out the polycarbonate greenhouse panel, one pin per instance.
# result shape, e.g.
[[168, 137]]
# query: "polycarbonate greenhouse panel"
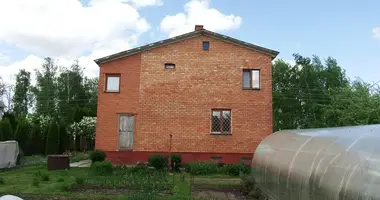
[[320, 164]]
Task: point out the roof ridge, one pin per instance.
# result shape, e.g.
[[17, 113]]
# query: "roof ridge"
[[185, 36]]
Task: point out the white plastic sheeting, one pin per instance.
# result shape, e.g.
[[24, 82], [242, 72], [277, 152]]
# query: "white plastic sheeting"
[[10, 197], [312, 164], [8, 154]]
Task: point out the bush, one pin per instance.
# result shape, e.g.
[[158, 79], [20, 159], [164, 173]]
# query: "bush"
[[235, 169], [61, 180], [202, 168], [6, 130], [176, 162], [249, 187], [158, 162], [2, 182], [101, 168], [52, 138], [79, 180], [140, 166], [65, 187], [36, 182], [45, 177], [97, 156], [20, 157]]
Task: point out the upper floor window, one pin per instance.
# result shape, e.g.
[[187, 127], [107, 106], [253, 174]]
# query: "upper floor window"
[[251, 79], [169, 66], [206, 45], [112, 82], [221, 121]]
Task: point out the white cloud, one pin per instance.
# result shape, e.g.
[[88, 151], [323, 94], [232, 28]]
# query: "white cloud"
[[135, 3], [30, 63], [4, 59], [199, 12], [376, 32], [67, 27]]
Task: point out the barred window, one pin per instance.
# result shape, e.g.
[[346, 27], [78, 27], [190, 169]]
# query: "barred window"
[[221, 121]]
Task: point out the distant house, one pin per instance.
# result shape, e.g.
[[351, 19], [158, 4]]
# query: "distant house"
[[2, 108], [204, 95]]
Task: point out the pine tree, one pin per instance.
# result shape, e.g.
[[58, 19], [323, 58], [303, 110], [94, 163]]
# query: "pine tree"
[[6, 129], [22, 133]]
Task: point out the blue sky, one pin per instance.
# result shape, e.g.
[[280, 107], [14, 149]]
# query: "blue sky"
[[344, 30]]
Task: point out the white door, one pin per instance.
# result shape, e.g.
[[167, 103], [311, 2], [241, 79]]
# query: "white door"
[[126, 127]]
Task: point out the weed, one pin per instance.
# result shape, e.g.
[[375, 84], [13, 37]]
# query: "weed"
[[2, 182], [79, 180], [36, 182]]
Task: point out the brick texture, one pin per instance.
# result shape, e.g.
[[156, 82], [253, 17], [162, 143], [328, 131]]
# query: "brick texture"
[[179, 101]]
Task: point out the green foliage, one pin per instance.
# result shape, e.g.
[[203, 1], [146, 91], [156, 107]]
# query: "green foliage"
[[202, 168], [176, 162], [79, 180], [2, 182], [22, 134], [37, 144], [143, 196], [97, 156], [157, 161], [64, 187], [52, 138], [6, 130], [22, 96], [12, 119], [20, 157], [45, 177], [60, 180], [63, 137], [36, 182], [101, 168], [235, 169]]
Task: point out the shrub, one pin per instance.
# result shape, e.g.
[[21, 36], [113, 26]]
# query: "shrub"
[[202, 168], [52, 138], [65, 187], [20, 157], [36, 182], [158, 162], [249, 187], [6, 129], [176, 162], [235, 169], [45, 177], [60, 180], [101, 168], [2, 182], [140, 166], [79, 180], [97, 156]]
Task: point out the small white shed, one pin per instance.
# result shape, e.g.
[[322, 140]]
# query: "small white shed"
[[9, 151]]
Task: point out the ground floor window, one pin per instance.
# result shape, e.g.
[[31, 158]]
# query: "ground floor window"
[[221, 121]]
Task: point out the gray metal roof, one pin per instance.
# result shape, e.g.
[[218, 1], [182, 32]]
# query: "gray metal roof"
[[2, 105], [186, 36]]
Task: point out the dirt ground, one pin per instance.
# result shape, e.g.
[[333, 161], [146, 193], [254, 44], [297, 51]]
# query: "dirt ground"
[[211, 192]]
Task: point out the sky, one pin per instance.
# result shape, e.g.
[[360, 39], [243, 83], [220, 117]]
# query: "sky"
[[348, 31]]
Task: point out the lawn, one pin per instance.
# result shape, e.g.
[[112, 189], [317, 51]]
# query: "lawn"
[[36, 182]]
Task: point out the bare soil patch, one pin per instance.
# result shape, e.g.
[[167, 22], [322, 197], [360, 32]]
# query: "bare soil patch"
[[212, 192]]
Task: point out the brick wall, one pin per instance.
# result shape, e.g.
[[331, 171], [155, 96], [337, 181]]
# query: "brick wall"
[[179, 101]]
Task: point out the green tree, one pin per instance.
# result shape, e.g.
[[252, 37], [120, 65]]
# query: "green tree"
[[21, 98], [6, 129], [52, 138], [64, 137], [37, 144], [45, 89], [22, 135]]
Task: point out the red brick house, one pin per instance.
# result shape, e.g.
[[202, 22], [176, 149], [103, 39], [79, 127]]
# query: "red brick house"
[[202, 94]]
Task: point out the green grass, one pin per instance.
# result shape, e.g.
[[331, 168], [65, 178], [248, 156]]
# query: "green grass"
[[28, 181]]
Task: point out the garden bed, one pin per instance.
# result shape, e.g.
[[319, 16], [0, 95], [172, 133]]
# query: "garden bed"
[[109, 190], [232, 192]]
